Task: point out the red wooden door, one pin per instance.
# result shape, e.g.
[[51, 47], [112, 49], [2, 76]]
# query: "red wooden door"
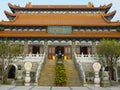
[[51, 52], [68, 52]]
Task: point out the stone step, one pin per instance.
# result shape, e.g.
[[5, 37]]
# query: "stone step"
[[47, 74], [72, 74]]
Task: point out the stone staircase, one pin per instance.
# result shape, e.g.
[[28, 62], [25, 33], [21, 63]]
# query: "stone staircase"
[[47, 75], [72, 74]]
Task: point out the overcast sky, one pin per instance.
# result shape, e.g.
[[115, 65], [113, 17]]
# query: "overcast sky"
[[4, 5]]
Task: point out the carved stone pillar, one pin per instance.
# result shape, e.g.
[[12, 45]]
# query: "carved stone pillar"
[[26, 47], [73, 48], [93, 47], [46, 48]]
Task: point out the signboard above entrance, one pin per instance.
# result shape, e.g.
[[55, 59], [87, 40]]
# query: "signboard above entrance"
[[59, 29]]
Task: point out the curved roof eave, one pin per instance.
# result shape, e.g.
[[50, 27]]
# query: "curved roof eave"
[[16, 7], [24, 19], [110, 15], [10, 15]]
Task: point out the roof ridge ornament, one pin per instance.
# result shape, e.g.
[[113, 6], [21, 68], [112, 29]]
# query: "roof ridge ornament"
[[90, 4], [28, 4]]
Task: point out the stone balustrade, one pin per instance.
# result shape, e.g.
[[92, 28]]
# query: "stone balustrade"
[[31, 57], [39, 69], [80, 69], [86, 58]]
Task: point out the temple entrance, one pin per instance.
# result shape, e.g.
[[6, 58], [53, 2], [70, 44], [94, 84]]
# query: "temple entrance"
[[83, 50], [65, 50], [59, 49], [36, 49], [11, 73]]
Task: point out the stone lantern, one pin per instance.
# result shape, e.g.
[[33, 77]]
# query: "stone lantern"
[[27, 66]]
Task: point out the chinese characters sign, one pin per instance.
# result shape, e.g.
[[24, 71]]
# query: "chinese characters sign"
[[59, 29]]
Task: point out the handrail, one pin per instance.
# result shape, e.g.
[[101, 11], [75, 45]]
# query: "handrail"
[[80, 68], [39, 69]]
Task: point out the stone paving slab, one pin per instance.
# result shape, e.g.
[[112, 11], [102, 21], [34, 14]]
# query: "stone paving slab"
[[12, 87], [22, 88], [79, 88], [6, 87], [96, 88], [114, 88], [60, 88], [40, 88]]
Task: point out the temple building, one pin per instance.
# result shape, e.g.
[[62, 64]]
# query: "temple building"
[[73, 28], [49, 29]]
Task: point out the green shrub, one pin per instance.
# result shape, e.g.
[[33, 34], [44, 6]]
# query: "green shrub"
[[60, 78], [118, 69], [6, 83], [32, 75]]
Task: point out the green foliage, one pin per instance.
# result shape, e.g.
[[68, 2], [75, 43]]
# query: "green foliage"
[[109, 49], [91, 74], [6, 83], [8, 53], [32, 75], [7, 49], [15, 49], [60, 78], [0, 73], [109, 52], [118, 69]]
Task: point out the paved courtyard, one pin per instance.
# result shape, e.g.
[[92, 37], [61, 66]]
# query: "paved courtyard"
[[11, 87]]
